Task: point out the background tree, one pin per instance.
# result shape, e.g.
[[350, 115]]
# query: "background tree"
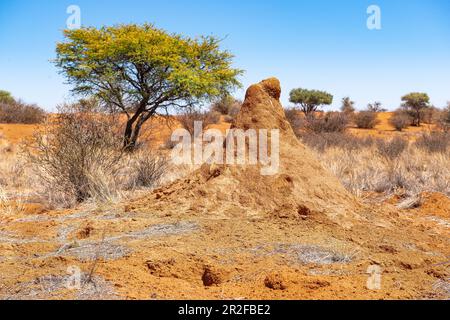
[[5, 97], [415, 103], [142, 71], [348, 106], [375, 107], [310, 100]]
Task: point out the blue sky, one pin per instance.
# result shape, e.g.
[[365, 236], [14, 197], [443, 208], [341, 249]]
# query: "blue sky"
[[321, 44]]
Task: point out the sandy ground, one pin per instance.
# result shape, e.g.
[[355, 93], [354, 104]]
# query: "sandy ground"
[[132, 252]]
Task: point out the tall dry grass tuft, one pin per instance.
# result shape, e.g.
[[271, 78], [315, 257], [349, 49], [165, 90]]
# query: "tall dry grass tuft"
[[385, 167], [79, 157], [9, 206]]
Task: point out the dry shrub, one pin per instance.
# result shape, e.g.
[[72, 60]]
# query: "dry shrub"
[[235, 109], [77, 156], [400, 120], [444, 119], [329, 122], [364, 168], [323, 141], [228, 119], [366, 119], [12, 167], [147, 169], [391, 149], [434, 142], [430, 115], [227, 105], [20, 112], [295, 119], [8, 206], [189, 117], [214, 117]]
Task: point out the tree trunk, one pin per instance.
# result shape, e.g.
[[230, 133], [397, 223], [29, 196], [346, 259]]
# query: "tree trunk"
[[127, 135], [133, 129]]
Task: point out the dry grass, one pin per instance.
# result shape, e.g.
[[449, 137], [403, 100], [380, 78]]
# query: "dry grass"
[[8, 206], [367, 169]]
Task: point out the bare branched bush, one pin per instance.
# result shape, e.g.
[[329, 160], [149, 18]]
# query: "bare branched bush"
[[324, 141], [430, 115], [366, 119], [188, 118], [444, 118], [147, 170], [295, 119], [400, 120], [391, 149], [20, 112], [329, 122], [434, 142], [228, 119], [227, 105], [77, 156]]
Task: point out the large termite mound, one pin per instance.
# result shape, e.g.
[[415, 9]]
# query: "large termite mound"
[[300, 187]]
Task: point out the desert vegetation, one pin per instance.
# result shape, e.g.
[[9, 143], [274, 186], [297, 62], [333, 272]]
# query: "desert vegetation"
[[396, 165], [16, 111], [141, 71]]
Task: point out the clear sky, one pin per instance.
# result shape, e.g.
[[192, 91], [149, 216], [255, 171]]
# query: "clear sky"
[[316, 44]]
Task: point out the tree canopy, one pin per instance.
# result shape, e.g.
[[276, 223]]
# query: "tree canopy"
[[415, 103], [142, 71], [6, 97], [310, 100]]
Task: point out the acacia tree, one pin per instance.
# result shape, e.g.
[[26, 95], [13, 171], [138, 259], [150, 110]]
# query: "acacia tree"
[[310, 100], [6, 97], [415, 103], [142, 71]]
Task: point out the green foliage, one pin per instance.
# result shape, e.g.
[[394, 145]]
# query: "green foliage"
[[141, 70], [5, 97], [415, 103], [310, 100]]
